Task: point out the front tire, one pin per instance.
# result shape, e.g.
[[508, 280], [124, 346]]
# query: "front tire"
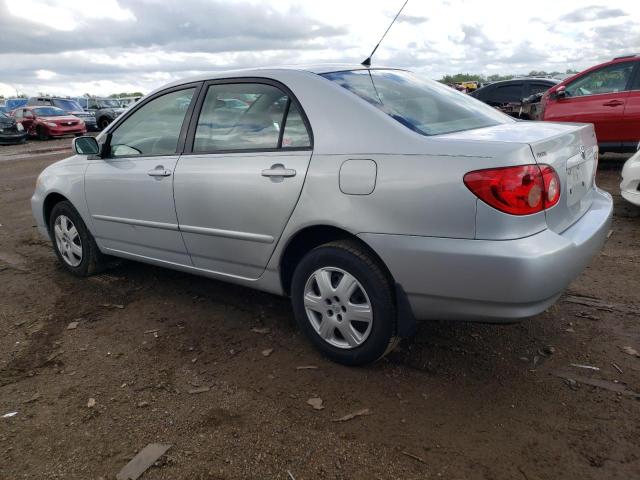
[[103, 123], [343, 301], [42, 133], [74, 245]]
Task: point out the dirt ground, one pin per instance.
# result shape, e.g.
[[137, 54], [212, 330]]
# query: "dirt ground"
[[459, 401]]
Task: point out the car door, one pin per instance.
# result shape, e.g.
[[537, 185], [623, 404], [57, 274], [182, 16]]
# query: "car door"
[[631, 132], [241, 175], [28, 120], [597, 97], [130, 190]]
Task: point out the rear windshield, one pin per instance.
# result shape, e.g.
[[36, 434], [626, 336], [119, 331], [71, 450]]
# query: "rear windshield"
[[424, 106], [67, 105], [49, 112]]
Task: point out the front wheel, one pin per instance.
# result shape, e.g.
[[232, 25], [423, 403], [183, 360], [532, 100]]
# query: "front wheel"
[[343, 301], [73, 243], [42, 133]]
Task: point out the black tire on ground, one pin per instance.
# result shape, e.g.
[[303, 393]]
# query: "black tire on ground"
[[103, 123], [93, 261], [354, 259], [42, 133]]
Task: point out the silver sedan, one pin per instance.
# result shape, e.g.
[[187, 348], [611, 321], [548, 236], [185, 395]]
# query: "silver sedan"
[[369, 196]]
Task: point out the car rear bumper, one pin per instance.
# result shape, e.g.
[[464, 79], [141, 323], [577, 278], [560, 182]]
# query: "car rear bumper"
[[630, 186], [492, 280]]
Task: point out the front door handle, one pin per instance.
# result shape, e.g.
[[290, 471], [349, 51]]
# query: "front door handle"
[[159, 171], [613, 103], [278, 170]]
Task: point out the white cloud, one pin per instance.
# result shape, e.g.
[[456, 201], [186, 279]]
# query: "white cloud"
[[116, 45]]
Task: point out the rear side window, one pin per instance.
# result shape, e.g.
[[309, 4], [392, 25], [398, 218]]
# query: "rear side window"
[[507, 93], [424, 106], [153, 129], [248, 116], [610, 79]]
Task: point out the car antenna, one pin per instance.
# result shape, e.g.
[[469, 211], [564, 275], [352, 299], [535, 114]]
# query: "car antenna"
[[367, 62]]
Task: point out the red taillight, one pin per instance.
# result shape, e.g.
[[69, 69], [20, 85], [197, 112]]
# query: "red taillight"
[[520, 190]]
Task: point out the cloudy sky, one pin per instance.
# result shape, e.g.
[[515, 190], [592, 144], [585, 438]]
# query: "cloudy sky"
[[70, 47]]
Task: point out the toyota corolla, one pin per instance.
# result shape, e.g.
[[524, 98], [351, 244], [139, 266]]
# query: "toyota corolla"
[[369, 196]]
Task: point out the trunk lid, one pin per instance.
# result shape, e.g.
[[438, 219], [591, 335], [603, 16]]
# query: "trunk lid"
[[574, 156], [570, 148]]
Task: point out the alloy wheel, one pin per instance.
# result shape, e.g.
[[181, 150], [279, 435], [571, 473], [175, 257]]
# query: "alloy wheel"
[[68, 240], [338, 307]]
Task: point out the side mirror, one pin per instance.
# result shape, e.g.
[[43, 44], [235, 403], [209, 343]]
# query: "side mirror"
[[561, 91], [86, 146]]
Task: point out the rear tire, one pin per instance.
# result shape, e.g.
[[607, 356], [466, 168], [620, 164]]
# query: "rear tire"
[[73, 243], [344, 303]]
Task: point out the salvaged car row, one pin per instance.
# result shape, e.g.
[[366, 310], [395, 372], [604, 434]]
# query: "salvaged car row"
[[94, 114]]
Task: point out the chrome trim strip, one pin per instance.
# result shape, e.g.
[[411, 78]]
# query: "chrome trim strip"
[[139, 223], [215, 232]]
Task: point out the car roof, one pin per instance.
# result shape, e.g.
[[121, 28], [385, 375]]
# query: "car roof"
[[527, 79], [318, 69]]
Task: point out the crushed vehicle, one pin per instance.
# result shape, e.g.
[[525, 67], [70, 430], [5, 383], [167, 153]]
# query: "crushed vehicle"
[[69, 105], [11, 131], [517, 97], [47, 122], [371, 197]]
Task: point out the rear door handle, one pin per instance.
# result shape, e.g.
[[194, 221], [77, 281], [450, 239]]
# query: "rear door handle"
[[159, 171], [613, 103], [278, 170]]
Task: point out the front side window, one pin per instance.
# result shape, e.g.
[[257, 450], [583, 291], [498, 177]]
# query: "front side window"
[[424, 106], [154, 128], [538, 88], [248, 116], [610, 79]]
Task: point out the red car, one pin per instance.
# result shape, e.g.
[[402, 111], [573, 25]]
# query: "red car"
[[607, 95], [46, 122]]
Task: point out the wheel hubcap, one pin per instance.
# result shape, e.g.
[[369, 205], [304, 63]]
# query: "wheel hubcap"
[[68, 240], [338, 307]]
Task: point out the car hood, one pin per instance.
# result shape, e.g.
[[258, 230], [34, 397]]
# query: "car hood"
[[515, 132], [6, 122], [65, 118]]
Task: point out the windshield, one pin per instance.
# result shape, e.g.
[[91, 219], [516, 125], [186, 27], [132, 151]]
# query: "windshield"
[[49, 112], [109, 104], [424, 106], [67, 105]]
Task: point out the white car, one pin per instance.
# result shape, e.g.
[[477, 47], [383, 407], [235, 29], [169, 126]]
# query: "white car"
[[630, 186]]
